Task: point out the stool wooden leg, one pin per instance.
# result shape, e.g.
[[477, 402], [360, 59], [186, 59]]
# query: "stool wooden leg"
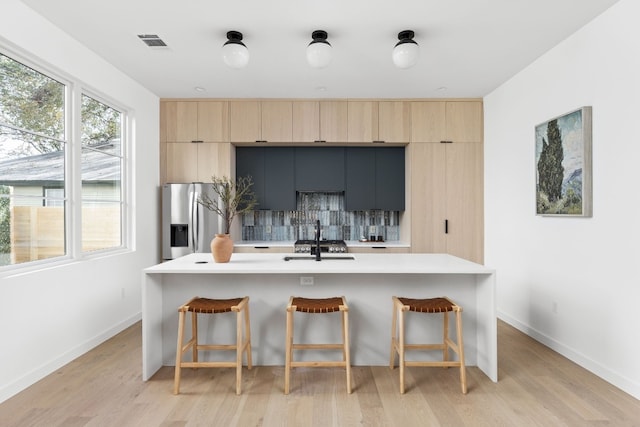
[[194, 336], [347, 357], [176, 380], [394, 335], [445, 337], [401, 361], [289, 350], [239, 350], [247, 331], [463, 373]]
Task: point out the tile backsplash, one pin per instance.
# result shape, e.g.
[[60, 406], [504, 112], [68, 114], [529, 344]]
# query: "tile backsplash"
[[335, 222]]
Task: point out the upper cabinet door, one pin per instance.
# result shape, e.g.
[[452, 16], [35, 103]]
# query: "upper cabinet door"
[[360, 178], [306, 121], [188, 121], [333, 121], [277, 121], [428, 121], [394, 121], [390, 178], [319, 169], [214, 158], [181, 121], [464, 121], [362, 117], [455, 121], [213, 121], [245, 121]]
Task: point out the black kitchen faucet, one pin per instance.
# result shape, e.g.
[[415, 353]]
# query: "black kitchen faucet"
[[318, 241]]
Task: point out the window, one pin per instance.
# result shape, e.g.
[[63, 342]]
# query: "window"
[[101, 175], [37, 171]]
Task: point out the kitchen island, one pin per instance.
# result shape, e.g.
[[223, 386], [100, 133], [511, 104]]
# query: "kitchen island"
[[368, 281]]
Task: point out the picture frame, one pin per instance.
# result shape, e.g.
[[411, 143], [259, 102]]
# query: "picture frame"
[[563, 165]]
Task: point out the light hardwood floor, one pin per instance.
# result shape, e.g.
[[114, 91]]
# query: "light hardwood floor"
[[537, 387]]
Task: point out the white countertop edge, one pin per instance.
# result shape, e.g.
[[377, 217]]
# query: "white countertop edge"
[[273, 263]]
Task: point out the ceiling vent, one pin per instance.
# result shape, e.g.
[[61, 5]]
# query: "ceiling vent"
[[152, 40]]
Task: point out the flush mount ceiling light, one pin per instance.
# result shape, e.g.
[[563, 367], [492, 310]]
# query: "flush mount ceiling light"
[[234, 53], [319, 50], [405, 53]]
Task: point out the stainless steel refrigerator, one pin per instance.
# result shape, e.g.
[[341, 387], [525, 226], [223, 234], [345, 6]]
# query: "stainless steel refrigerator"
[[187, 226]]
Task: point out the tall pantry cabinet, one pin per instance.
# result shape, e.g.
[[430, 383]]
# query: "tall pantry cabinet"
[[446, 153]]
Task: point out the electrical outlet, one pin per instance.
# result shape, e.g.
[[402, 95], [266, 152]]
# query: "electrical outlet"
[[306, 280], [122, 293], [267, 229], [554, 307]]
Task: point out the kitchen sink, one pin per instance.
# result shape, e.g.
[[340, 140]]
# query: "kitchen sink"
[[313, 258]]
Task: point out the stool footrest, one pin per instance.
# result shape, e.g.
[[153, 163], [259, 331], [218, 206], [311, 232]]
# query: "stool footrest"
[[318, 346], [318, 364], [208, 364], [434, 363]]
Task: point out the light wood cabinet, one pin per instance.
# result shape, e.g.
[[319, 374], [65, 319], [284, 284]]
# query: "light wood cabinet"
[[320, 121], [306, 121], [379, 121], [362, 121], [187, 121], [197, 162], [394, 121], [447, 199], [456, 121], [333, 121], [277, 121], [261, 121], [245, 121]]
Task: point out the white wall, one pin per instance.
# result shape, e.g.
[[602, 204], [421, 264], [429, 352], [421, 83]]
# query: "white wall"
[[48, 318], [587, 267]]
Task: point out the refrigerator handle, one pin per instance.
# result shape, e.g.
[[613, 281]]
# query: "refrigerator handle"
[[192, 220], [196, 222]]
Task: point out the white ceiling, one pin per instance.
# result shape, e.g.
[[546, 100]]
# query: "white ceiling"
[[467, 47]]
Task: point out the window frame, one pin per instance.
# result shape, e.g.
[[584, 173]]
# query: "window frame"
[[74, 90]]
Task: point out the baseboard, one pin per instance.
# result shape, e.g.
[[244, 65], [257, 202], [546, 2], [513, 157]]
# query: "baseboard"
[[625, 384], [10, 390]]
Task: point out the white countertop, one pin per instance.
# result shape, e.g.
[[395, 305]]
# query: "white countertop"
[[274, 263]]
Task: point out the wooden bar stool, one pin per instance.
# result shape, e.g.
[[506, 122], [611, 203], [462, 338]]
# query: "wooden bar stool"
[[199, 305], [315, 305], [399, 346]]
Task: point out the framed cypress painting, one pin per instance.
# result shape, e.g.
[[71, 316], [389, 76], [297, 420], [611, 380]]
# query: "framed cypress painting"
[[563, 165]]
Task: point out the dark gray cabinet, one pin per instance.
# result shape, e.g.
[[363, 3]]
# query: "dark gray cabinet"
[[319, 169], [390, 178], [272, 170], [360, 170], [375, 178]]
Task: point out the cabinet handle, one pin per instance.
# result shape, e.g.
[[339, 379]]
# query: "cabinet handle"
[[261, 141], [378, 142], [319, 141], [197, 142], [446, 142], [446, 226]]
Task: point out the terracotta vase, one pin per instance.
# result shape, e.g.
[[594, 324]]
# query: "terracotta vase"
[[222, 247]]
